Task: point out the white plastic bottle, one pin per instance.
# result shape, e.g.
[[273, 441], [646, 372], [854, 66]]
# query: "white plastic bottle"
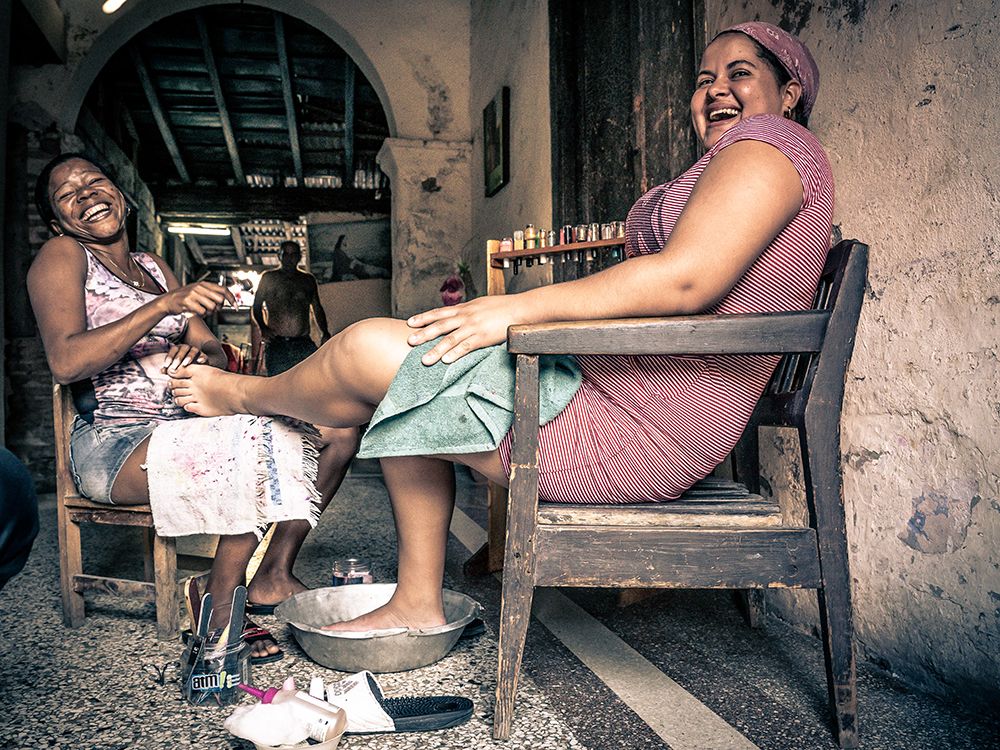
[[323, 720]]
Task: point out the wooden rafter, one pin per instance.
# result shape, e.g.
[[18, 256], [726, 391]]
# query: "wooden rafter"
[[237, 204], [192, 244], [158, 114], [348, 122], [241, 252], [220, 102], [286, 90]]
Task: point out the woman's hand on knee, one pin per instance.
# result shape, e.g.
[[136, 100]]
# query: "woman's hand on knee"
[[463, 328]]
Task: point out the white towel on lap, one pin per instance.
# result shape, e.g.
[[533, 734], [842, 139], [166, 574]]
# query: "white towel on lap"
[[231, 475]]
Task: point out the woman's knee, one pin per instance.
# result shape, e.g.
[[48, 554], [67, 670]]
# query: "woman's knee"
[[370, 351], [339, 443]]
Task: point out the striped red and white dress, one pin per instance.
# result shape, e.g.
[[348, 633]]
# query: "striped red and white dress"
[[645, 428]]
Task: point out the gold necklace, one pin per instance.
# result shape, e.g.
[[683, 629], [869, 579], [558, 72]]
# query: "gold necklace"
[[124, 273]]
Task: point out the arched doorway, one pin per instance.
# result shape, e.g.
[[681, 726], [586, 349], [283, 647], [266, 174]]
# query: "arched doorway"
[[241, 128]]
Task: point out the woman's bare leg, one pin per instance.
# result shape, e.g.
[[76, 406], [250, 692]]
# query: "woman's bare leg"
[[338, 386], [131, 487], [422, 491], [274, 582]]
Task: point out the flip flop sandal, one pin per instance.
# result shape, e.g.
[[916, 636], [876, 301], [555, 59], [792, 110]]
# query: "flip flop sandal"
[[260, 609], [369, 712], [253, 632]]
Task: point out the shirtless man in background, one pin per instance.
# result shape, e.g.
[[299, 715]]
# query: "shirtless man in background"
[[281, 310]]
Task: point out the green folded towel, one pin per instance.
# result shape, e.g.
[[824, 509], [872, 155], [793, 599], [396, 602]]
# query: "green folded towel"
[[464, 407]]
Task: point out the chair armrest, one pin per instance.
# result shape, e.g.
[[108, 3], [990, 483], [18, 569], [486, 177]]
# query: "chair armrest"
[[758, 333]]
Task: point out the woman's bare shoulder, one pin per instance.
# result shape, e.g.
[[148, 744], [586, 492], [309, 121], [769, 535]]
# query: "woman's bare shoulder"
[[60, 251]]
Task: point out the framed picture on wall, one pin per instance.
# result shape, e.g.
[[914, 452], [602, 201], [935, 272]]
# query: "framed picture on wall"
[[496, 142]]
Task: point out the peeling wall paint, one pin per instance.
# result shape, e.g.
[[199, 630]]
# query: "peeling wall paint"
[[900, 114], [939, 523]]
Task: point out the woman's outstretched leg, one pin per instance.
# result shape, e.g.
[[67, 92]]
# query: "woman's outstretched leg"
[[338, 386], [423, 496]]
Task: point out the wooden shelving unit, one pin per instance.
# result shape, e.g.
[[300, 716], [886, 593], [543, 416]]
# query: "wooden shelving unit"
[[540, 254]]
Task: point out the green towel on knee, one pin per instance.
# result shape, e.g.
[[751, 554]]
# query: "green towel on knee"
[[464, 407]]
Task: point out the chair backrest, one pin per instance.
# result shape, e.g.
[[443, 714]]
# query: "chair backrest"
[[808, 381], [798, 376], [63, 412]]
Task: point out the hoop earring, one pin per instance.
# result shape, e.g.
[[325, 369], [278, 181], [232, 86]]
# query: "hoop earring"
[[788, 113]]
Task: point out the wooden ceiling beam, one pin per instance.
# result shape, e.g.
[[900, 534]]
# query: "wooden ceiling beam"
[[286, 90], [220, 101], [237, 236], [235, 205], [194, 248], [348, 122], [158, 114]]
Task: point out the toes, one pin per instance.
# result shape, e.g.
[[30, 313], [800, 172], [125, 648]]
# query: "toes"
[[264, 648]]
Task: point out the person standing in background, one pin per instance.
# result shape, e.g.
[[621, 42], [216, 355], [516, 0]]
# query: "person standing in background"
[[281, 310]]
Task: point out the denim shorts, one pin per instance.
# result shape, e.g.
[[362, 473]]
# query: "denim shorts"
[[97, 453]]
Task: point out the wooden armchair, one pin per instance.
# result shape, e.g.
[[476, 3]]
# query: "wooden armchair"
[[160, 558], [706, 539]]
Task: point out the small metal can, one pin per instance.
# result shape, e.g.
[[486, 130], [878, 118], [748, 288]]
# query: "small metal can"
[[506, 244], [530, 237], [566, 234], [607, 232], [543, 239], [351, 570], [620, 229], [593, 232], [580, 233], [552, 238]]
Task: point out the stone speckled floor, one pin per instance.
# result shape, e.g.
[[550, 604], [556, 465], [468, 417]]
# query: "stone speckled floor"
[[90, 689]]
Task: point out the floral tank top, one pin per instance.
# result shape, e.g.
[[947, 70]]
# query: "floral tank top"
[[133, 388]]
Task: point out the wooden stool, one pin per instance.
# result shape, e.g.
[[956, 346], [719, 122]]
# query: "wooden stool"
[[160, 555]]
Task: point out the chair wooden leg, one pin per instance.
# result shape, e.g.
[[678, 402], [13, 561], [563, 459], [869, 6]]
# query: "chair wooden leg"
[[165, 564], [519, 552], [497, 527], [148, 564], [515, 612], [756, 606], [70, 566], [835, 611]]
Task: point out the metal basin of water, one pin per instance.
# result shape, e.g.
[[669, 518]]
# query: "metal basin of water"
[[389, 650]]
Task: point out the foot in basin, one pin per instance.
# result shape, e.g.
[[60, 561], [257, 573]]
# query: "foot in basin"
[[394, 614]]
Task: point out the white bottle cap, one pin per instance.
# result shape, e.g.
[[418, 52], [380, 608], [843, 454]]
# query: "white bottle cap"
[[316, 687]]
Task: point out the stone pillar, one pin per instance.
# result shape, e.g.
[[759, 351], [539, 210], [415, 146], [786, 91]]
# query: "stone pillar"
[[431, 217]]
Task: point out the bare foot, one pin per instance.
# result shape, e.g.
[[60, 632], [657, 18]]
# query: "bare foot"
[[209, 391], [272, 589], [390, 615]]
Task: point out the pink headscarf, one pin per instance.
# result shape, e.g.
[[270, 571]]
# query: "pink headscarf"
[[791, 53]]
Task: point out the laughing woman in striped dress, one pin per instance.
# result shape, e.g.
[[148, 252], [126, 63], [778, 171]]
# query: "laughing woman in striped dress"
[[745, 230]]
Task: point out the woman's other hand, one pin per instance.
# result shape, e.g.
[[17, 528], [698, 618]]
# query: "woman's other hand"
[[181, 355], [200, 298], [465, 327]]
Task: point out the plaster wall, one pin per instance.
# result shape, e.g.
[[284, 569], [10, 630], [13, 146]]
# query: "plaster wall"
[[901, 114], [416, 55], [509, 42]]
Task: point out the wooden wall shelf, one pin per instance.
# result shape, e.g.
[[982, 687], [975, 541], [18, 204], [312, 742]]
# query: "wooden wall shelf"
[[540, 254]]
